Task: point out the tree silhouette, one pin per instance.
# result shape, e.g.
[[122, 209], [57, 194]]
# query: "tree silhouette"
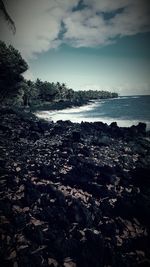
[[7, 17], [12, 66]]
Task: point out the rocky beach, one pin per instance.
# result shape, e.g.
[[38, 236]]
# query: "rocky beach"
[[73, 195]]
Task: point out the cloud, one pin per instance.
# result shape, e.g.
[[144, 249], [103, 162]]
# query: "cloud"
[[142, 88], [46, 24], [38, 24], [89, 27], [29, 75], [107, 5], [85, 28]]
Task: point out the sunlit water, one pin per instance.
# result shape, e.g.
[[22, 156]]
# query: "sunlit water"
[[126, 111]]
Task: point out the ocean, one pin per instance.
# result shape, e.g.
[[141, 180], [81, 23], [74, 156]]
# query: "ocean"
[[125, 110]]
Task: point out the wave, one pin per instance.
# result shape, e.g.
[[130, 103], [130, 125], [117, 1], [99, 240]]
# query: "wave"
[[79, 118], [126, 97], [135, 96], [78, 109], [90, 113], [67, 111]]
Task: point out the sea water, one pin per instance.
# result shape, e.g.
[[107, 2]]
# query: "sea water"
[[125, 110]]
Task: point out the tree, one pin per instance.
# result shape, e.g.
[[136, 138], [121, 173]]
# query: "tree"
[[12, 66], [7, 17], [70, 94], [47, 90]]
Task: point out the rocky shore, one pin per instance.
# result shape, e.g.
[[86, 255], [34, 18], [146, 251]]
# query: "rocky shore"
[[73, 195]]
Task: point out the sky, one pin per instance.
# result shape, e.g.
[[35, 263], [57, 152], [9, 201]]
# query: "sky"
[[87, 44]]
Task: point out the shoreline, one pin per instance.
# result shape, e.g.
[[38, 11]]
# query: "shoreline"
[[57, 115], [71, 193], [60, 105], [74, 114]]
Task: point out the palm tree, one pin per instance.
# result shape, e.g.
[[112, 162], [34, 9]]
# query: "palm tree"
[[7, 17]]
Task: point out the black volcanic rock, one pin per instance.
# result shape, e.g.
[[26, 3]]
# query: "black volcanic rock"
[[73, 194], [76, 136]]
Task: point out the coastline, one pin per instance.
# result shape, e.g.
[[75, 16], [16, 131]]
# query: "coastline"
[[77, 114], [59, 105], [73, 193]]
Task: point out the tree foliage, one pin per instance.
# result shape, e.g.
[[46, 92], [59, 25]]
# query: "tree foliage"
[[46, 91], [94, 94], [12, 66], [55, 92]]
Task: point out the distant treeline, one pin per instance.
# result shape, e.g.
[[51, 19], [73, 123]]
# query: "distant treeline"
[[15, 90]]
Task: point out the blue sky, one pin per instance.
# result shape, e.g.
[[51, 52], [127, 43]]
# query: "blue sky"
[[123, 66], [99, 44]]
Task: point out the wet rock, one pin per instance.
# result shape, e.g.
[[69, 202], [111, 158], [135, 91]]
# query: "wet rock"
[[102, 141], [79, 214], [35, 135], [34, 233], [2, 162], [124, 207], [94, 244], [141, 128], [69, 263], [106, 175], [31, 195], [20, 221], [44, 126], [76, 135], [46, 172], [52, 262], [142, 208], [141, 176], [113, 125]]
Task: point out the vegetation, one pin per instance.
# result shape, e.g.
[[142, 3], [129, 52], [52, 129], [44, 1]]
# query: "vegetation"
[[12, 66], [90, 94], [15, 90]]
